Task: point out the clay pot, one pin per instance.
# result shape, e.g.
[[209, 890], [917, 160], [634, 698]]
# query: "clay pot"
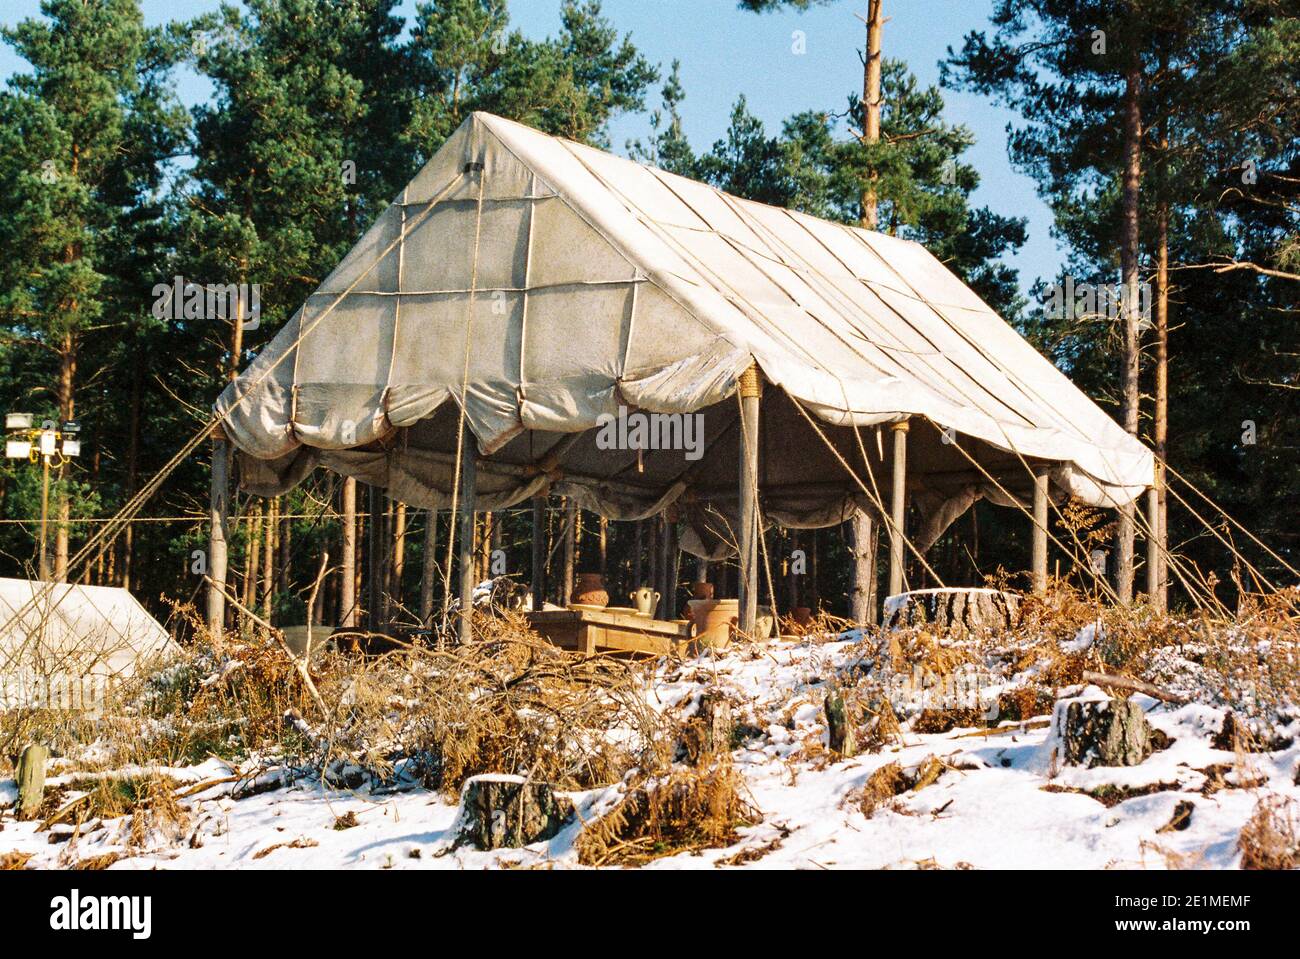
[[590, 590], [644, 599], [701, 590], [715, 621], [802, 616]]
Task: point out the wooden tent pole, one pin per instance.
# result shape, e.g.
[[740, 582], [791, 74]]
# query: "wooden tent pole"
[[219, 518], [539, 553], [468, 488], [1039, 574], [427, 567], [348, 559], [899, 481], [374, 560], [570, 550], [751, 389], [637, 550]]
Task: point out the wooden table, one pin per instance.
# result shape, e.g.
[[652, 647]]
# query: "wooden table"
[[591, 631]]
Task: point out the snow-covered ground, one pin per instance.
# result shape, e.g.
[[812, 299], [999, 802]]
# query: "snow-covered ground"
[[1001, 802]]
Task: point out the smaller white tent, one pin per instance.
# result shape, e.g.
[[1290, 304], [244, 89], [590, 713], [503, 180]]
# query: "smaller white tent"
[[63, 644]]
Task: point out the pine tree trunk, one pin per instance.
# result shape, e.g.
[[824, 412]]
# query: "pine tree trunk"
[[428, 566], [132, 473], [67, 411], [1131, 302], [862, 592], [1161, 425], [871, 107], [862, 596]]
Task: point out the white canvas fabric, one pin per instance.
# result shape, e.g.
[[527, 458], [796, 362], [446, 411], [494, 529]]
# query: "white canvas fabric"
[[65, 642], [544, 283]]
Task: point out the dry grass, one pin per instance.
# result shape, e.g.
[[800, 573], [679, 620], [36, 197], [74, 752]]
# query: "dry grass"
[[881, 787], [1271, 837], [685, 811]]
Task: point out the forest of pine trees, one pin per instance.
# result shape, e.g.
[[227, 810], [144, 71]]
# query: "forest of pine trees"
[[1163, 134]]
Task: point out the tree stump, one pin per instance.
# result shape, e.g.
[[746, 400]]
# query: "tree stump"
[[708, 732], [30, 777], [843, 740], [499, 811], [972, 610], [1104, 733]]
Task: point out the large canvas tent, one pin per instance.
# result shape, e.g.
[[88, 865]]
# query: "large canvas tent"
[[62, 644], [539, 285]]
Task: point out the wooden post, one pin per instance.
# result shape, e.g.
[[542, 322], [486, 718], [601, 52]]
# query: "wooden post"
[[252, 566], [374, 559], [897, 508], [219, 520], [814, 574], [268, 556], [667, 584], [348, 574], [1155, 595], [538, 564], [1039, 569], [751, 389], [570, 550], [30, 780], [428, 566], [399, 554], [468, 489]]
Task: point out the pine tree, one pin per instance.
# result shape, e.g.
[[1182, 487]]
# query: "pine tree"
[[84, 138]]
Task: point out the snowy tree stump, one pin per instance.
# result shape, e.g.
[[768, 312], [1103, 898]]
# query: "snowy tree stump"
[[843, 740], [973, 610], [708, 732], [30, 777], [1104, 733], [505, 811]]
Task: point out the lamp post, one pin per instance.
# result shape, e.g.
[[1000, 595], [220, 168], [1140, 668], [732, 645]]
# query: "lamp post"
[[49, 443]]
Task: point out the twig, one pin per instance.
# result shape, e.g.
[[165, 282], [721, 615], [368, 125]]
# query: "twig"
[[1133, 685]]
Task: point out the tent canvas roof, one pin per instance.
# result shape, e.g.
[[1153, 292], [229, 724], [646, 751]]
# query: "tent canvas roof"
[[547, 283], [64, 630]]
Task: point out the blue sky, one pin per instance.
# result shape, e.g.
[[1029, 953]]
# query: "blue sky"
[[725, 52]]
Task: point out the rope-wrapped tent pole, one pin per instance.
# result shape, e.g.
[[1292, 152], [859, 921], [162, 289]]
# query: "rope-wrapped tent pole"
[[751, 389]]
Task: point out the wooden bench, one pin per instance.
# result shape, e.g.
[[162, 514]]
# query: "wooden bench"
[[590, 631]]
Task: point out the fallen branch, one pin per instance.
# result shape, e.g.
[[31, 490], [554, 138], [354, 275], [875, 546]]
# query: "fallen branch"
[[206, 784], [1132, 685], [1001, 730]]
